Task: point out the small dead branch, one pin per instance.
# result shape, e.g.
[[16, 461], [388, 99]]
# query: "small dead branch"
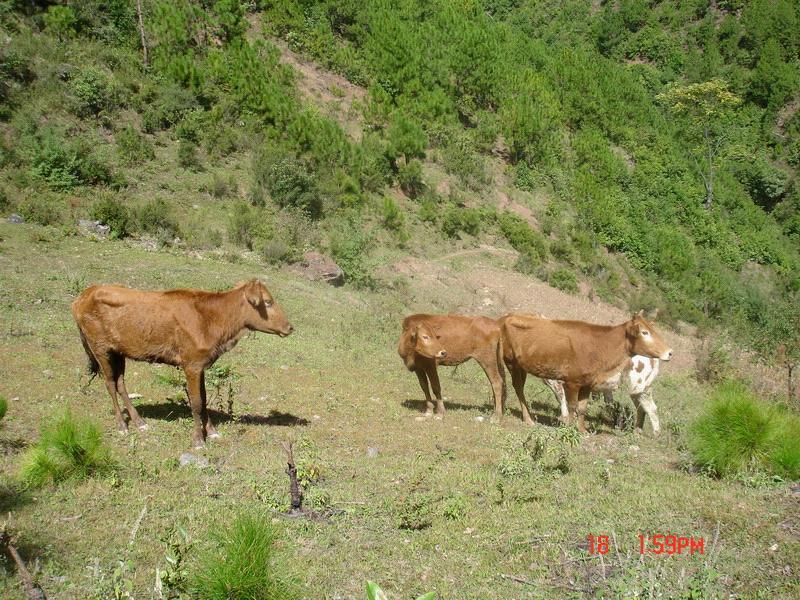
[[141, 33], [294, 485], [521, 580], [32, 591]]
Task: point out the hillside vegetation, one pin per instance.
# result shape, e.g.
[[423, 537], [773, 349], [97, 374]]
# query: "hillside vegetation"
[[654, 144]]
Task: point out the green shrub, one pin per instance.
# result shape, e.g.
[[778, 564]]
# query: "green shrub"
[[457, 219], [241, 563], [522, 237], [528, 263], [564, 279], [3, 407], [65, 162], [712, 363], [187, 155], [290, 235], [93, 92], [245, 225], [738, 435], [133, 147], [391, 215], [287, 181], [409, 176], [156, 217], [43, 209], [68, 448], [113, 213], [350, 246], [61, 20]]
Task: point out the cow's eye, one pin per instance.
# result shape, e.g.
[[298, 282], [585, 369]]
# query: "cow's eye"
[[268, 303], [425, 337], [645, 333]]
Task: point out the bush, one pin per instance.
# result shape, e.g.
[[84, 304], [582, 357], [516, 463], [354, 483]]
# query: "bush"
[[240, 564], [133, 147], [65, 162], [3, 407], [712, 363], [391, 215], [409, 176], [522, 237], [68, 448], [737, 435], [457, 219], [564, 279], [287, 181], [350, 247], [156, 218], [245, 225], [113, 213], [42, 209], [93, 92], [292, 233], [187, 155]]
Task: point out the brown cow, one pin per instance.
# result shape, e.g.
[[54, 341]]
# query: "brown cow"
[[186, 328], [582, 355], [461, 337]]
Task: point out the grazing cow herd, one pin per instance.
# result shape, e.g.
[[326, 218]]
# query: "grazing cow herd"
[[191, 329]]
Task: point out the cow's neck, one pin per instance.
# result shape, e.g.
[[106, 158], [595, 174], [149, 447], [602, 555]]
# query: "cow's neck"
[[229, 320], [615, 354]]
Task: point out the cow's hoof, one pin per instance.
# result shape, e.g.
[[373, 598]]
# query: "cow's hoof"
[[428, 415], [198, 446], [122, 431], [213, 436], [143, 426], [438, 417]]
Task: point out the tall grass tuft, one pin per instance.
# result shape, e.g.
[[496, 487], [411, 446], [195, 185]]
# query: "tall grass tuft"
[[738, 435], [240, 564], [3, 407], [68, 448]]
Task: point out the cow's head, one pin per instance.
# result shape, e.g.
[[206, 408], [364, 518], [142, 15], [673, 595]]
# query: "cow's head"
[[426, 343], [644, 340], [262, 313]]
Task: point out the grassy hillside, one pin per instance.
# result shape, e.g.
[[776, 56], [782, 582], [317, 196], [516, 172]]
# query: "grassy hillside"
[[590, 113], [456, 506]]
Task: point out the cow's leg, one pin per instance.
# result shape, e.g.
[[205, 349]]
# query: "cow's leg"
[[646, 405], [558, 391], [494, 372], [433, 376], [583, 403], [518, 377], [208, 426], [107, 368], [193, 378], [423, 383], [118, 364]]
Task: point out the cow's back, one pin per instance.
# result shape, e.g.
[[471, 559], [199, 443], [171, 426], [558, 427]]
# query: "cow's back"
[[572, 351], [145, 325], [460, 335]]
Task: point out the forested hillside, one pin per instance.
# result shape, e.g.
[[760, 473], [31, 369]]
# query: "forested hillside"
[[661, 139]]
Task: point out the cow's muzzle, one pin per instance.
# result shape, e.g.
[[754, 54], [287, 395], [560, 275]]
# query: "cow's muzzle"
[[666, 355]]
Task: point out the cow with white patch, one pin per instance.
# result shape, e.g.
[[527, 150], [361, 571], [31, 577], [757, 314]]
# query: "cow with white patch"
[[641, 373]]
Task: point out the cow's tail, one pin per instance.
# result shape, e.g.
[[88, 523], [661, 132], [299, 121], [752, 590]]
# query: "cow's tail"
[[93, 366]]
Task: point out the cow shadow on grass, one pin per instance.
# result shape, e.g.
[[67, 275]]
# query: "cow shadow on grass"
[[540, 411], [172, 411]]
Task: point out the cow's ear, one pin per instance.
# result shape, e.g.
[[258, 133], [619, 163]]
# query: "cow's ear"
[[633, 329], [252, 291]]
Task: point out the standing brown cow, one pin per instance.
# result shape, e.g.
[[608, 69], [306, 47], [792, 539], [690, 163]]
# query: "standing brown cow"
[[461, 338], [582, 355], [186, 328]]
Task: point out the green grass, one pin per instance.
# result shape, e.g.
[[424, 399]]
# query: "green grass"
[[68, 448], [337, 387], [3, 407], [240, 563], [738, 435]]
